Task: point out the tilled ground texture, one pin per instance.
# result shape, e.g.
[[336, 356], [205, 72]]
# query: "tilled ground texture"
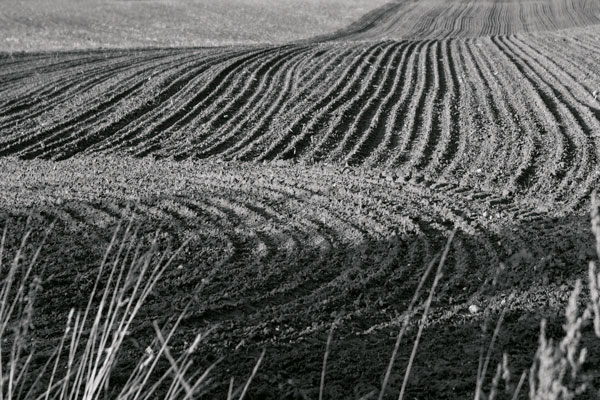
[[317, 180]]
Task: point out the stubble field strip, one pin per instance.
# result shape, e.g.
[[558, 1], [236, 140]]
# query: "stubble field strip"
[[65, 25]]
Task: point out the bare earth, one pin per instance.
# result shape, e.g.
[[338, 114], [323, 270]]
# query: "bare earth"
[[316, 180]]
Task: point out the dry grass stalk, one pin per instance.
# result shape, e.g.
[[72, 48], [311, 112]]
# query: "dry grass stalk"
[[555, 368], [595, 216], [328, 345], [82, 363]]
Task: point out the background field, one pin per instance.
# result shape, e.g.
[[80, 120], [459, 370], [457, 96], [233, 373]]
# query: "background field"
[[318, 179], [35, 25]]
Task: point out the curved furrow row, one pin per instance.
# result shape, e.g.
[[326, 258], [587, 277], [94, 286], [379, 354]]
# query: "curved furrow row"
[[294, 198], [99, 217], [573, 88], [189, 106], [498, 159], [306, 92], [214, 228], [426, 24], [449, 18], [588, 42], [477, 247], [48, 142], [144, 137], [522, 14], [468, 220], [428, 124], [482, 142], [341, 229], [289, 102], [369, 125], [53, 90], [31, 90], [215, 116], [340, 137], [409, 127], [574, 60], [319, 135], [287, 228], [364, 108], [490, 23], [103, 96], [104, 75], [458, 24], [26, 64], [295, 83], [398, 111], [232, 121], [547, 123], [330, 208], [262, 78], [521, 162], [275, 223], [225, 87], [244, 229], [296, 131], [582, 155], [16, 67], [586, 115], [105, 118], [448, 111], [150, 135], [536, 169], [228, 141], [136, 111], [287, 240], [27, 67], [175, 94], [28, 74]]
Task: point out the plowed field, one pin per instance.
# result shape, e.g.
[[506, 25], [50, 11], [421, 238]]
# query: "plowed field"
[[317, 179]]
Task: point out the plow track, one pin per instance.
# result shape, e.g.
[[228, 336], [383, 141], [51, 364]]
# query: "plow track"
[[465, 110], [321, 239]]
